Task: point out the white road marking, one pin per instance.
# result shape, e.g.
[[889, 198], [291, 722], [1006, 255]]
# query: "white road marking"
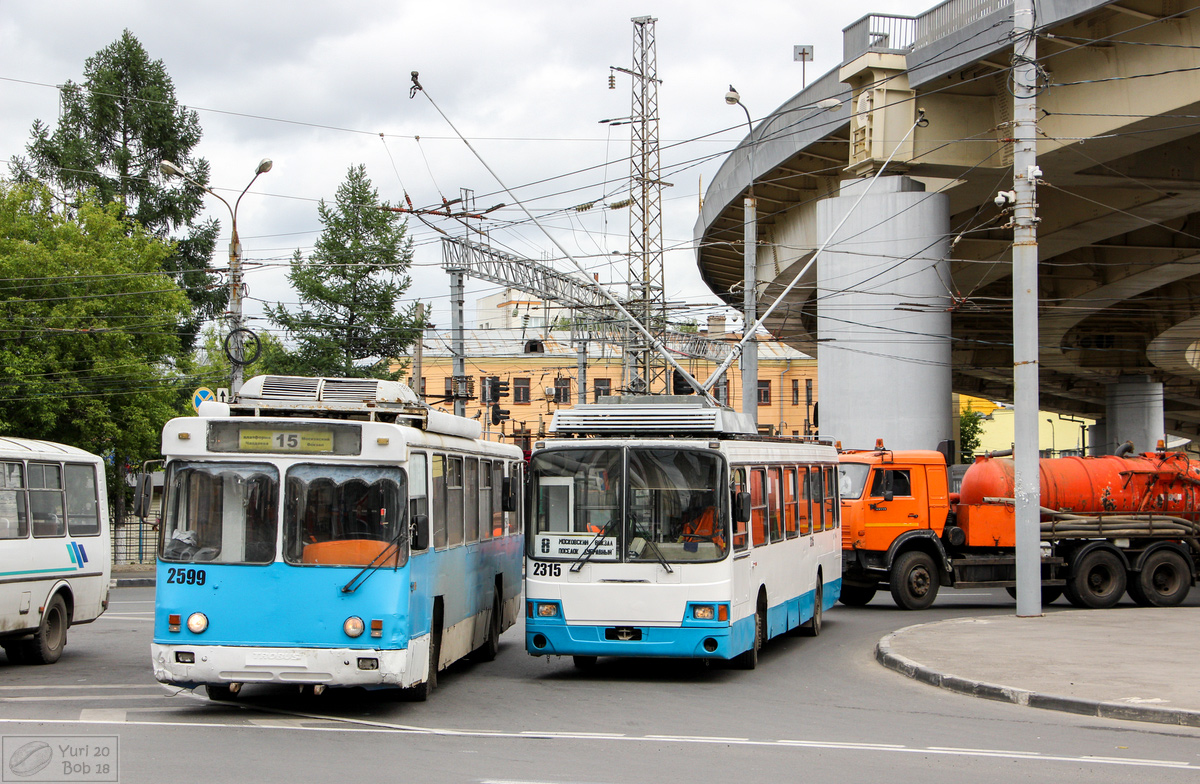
[[143, 601], [367, 726], [148, 617], [83, 697], [78, 686], [697, 738], [102, 716]]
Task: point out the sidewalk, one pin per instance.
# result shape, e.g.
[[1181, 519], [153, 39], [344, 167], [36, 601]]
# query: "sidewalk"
[[132, 576], [1134, 663]]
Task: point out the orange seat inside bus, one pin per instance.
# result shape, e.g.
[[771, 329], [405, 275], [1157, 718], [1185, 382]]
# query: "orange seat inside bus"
[[348, 552]]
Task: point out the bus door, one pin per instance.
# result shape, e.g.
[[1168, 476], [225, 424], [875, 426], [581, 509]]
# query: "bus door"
[[741, 549]]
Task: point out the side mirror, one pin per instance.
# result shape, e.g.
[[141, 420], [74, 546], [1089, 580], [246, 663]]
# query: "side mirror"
[[741, 507], [508, 498], [419, 535], [142, 495]]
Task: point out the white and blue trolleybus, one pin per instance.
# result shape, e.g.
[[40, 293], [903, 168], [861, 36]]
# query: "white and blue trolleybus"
[[664, 526], [55, 546], [332, 532]]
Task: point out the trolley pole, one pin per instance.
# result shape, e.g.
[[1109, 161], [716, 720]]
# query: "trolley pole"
[[1025, 313]]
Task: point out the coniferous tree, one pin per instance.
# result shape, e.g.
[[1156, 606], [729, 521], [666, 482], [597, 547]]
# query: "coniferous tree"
[[349, 322], [114, 130]]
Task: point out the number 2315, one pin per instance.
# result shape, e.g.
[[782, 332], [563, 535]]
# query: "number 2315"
[[547, 570]]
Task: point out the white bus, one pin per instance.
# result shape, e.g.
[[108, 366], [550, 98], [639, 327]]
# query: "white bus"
[[672, 530], [55, 546]]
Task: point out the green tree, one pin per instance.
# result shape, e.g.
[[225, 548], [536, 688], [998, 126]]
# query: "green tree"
[[88, 353], [348, 323], [970, 433], [113, 131]]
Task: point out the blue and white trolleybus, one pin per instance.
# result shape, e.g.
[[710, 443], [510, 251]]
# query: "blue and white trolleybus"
[[332, 532], [665, 527]]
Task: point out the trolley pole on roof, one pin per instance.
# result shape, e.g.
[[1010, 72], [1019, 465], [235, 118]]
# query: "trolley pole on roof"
[[1025, 313]]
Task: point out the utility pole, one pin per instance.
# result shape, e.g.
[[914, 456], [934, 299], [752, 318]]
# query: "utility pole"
[[1025, 313], [646, 284], [418, 350]]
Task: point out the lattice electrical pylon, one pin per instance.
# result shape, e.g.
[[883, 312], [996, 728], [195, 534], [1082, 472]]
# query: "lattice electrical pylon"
[[646, 290]]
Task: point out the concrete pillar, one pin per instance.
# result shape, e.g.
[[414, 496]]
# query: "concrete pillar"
[[1135, 413], [882, 316], [1098, 439]]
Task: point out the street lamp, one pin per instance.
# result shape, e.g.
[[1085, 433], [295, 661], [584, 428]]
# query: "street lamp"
[[749, 358], [1053, 438], [234, 347]]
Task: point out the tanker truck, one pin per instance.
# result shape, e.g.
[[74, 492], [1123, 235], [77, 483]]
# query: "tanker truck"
[[1109, 525]]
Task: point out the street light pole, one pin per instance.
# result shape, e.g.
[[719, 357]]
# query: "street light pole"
[[749, 358], [1053, 438], [235, 346]]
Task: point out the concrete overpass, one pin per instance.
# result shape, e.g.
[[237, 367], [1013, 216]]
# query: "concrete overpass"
[[1118, 201]]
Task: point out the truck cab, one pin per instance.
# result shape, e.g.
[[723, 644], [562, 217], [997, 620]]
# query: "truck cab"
[[894, 507]]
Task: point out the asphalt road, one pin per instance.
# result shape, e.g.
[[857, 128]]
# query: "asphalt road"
[[815, 710]]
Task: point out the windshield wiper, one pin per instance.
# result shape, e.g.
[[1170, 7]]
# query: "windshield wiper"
[[657, 553], [355, 583], [590, 549]]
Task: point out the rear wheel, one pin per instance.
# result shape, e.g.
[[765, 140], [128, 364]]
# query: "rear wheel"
[[51, 636], [813, 627], [857, 595], [914, 580], [1098, 582], [1164, 580], [1050, 593], [491, 644]]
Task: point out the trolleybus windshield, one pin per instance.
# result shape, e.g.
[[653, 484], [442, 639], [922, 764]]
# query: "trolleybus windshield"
[[344, 515], [628, 504], [221, 512]]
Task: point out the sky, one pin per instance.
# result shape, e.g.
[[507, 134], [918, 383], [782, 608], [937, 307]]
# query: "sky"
[[320, 87]]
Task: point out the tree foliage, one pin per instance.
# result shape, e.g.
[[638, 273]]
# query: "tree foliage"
[[113, 131], [348, 322], [970, 433], [88, 352]]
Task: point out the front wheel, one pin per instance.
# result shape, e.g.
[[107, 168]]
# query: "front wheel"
[[914, 580], [1050, 593], [584, 662], [220, 692], [748, 660], [491, 645]]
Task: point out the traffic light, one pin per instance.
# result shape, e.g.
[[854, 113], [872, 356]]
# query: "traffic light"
[[488, 393], [498, 414], [499, 389]]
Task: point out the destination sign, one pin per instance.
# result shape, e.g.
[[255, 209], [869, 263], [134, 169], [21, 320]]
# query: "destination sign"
[[308, 441], [552, 545]]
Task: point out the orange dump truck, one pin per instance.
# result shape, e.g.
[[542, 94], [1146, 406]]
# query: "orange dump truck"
[[1108, 525]]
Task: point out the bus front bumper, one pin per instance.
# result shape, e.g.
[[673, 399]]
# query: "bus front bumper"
[[680, 642], [192, 665]]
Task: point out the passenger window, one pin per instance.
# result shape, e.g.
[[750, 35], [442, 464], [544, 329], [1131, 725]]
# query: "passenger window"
[[46, 500], [832, 507], [438, 474], [817, 496], [758, 506], [485, 500], [516, 473], [83, 518], [454, 501], [790, 502], [775, 503], [418, 500], [14, 523], [471, 499]]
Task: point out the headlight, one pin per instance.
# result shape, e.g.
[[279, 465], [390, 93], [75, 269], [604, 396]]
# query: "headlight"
[[703, 612], [547, 610], [353, 627], [197, 622]]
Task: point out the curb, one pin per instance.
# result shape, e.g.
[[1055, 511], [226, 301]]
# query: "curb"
[[991, 691], [131, 582]]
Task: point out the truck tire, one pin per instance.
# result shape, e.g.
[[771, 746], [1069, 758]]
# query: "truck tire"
[[1098, 582], [914, 580], [1164, 580], [857, 595]]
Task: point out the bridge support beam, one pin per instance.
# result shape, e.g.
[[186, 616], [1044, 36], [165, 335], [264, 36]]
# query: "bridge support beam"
[[1134, 413], [883, 318]]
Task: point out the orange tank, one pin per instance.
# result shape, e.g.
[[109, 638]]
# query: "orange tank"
[[1167, 484]]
